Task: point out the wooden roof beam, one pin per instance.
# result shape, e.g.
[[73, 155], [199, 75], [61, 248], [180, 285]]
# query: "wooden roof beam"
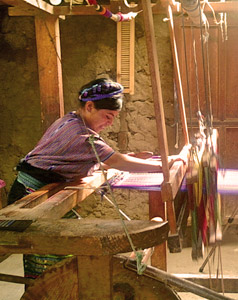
[[218, 7], [37, 5], [32, 7], [75, 10]]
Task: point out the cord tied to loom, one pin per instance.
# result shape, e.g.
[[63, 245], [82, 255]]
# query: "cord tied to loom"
[[139, 256]]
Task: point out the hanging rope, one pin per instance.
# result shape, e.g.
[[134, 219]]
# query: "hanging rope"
[[223, 20], [139, 256], [186, 68], [206, 71]]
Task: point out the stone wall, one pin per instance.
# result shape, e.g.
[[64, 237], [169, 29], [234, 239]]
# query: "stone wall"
[[88, 51]]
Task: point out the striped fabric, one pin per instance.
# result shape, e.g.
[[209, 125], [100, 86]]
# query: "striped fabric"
[[35, 265], [65, 148], [30, 183]]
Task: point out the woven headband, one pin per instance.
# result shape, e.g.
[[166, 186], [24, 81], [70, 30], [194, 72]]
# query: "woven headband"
[[97, 88]]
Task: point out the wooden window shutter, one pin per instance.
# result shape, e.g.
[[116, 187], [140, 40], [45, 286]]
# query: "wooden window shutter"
[[125, 54]]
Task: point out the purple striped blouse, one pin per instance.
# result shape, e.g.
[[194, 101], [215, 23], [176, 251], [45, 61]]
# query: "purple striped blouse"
[[65, 148]]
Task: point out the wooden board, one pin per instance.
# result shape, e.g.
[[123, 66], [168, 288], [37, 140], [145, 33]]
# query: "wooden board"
[[83, 237], [54, 200], [60, 283]]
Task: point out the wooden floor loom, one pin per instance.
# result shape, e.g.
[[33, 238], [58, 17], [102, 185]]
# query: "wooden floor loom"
[[95, 271]]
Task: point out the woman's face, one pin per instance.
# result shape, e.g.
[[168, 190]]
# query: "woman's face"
[[98, 119]]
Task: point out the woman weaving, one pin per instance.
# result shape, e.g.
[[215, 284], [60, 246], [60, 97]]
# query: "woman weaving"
[[65, 154]]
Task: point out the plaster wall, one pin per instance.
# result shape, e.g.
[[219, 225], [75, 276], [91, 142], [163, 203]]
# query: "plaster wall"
[[88, 45]]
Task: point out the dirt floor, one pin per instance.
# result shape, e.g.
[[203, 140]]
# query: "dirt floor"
[[182, 263], [178, 263]]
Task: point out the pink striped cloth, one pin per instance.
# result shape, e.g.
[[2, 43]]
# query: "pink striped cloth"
[[227, 181]]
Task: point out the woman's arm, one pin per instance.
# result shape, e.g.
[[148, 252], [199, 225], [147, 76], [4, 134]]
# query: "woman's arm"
[[129, 163]]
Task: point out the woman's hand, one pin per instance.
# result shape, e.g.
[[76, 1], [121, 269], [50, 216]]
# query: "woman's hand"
[[174, 158], [142, 155]]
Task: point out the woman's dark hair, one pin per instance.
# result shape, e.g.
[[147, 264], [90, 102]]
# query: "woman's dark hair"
[[105, 94]]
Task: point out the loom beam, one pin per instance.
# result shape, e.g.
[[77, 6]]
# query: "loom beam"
[[93, 242], [170, 186]]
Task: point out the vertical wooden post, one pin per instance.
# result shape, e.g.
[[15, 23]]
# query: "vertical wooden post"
[[178, 80], [161, 128], [49, 68], [93, 272], [156, 85], [157, 208]]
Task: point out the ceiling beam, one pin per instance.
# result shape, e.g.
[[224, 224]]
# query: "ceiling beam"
[[218, 7], [25, 8], [33, 7], [37, 5]]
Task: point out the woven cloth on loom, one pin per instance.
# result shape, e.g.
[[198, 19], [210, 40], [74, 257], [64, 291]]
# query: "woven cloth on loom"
[[138, 181], [227, 181]]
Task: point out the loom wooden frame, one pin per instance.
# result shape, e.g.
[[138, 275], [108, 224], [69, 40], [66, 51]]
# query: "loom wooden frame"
[[47, 14]]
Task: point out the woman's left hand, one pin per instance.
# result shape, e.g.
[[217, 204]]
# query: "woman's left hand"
[[174, 158], [142, 155]]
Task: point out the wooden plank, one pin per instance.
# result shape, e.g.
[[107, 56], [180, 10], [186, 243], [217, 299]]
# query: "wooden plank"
[[83, 10], [156, 85], [16, 279], [230, 282], [218, 7], [21, 12], [29, 8], [59, 282], [83, 237], [178, 170], [31, 200], [95, 272], [36, 5], [53, 201], [157, 208], [49, 68]]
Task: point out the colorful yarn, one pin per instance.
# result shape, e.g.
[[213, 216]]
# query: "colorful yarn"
[[107, 14], [100, 96], [103, 11], [95, 92], [119, 17]]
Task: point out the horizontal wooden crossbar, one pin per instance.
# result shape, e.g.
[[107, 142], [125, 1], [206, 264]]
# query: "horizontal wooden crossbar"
[[83, 237]]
